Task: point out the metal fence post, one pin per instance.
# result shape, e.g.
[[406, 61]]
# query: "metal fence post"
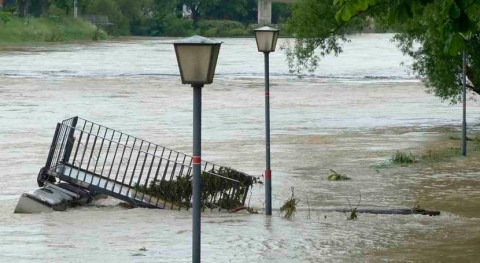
[[70, 141]]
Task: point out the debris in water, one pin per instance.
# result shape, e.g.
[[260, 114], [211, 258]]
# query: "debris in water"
[[334, 176]]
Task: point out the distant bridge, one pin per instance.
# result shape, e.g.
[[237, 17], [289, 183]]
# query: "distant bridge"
[[265, 10]]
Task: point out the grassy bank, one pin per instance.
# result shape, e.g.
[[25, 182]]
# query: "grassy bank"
[[48, 29]]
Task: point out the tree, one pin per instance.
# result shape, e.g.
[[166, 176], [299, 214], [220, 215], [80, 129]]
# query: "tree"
[[36, 8], [227, 10], [432, 32], [196, 7], [110, 9]]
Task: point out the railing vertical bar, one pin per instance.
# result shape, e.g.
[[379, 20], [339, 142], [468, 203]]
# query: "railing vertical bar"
[[223, 195], [70, 140], [120, 164], [172, 173], [128, 164], [141, 171], [149, 170], [163, 179], [100, 152], [183, 165], [156, 175], [53, 146], [91, 156], [113, 160], [233, 192], [134, 168], [83, 155], [64, 137], [245, 194], [106, 156], [76, 153]]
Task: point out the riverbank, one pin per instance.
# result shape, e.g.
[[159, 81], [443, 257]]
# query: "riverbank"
[[48, 29]]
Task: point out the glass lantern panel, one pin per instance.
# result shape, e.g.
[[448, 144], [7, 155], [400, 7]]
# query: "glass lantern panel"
[[194, 63], [264, 40], [216, 50]]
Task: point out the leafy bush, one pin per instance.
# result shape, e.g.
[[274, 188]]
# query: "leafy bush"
[[403, 158], [176, 27], [5, 17], [110, 9], [217, 192], [236, 32], [221, 28], [49, 29]]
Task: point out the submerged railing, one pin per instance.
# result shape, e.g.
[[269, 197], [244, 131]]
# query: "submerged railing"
[[108, 161]]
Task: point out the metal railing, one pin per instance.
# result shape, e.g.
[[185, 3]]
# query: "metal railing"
[[138, 171]]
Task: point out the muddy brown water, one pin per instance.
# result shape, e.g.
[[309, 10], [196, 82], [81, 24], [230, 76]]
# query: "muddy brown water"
[[350, 116]]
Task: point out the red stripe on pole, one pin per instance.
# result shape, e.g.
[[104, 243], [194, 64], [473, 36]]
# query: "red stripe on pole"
[[268, 174], [197, 159], [267, 93]]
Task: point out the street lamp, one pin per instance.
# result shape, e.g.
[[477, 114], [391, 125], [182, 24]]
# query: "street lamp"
[[464, 100], [197, 59], [266, 41]]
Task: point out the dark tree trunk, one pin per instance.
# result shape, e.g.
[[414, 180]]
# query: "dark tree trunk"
[[195, 14], [40, 7], [35, 8], [22, 7]]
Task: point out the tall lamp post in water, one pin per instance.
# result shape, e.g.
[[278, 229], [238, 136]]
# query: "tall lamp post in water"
[[464, 100], [197, 59], [266, 41]]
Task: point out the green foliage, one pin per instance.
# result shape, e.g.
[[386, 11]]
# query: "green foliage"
[[217, 190], [111, 9], [403, 158], [197, 7], [439, 155], [228, 10], [353, 210], [289, 208], [432, 32], [221, 28], [48, 30], [5, 17], [36, 8], [435, 50], [174, 26], [334, 176], [315, 29]]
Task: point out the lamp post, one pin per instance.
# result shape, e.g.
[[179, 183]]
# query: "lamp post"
[[197, 59], [266, 41], [464, 100]]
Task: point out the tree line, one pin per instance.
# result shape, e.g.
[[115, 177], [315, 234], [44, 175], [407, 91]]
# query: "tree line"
[[151, 17]]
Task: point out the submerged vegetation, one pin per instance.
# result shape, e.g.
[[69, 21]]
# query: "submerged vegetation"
[[289, 208], [222, 188], [403, 158], [353, 210], [334, 176]]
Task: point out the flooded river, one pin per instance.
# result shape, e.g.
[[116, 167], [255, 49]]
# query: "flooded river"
[[350, 115]]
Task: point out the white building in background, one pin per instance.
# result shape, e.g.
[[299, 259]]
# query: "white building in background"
[[186, 12]]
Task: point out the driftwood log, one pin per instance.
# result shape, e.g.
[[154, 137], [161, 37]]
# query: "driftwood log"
[[376, 211], [384, 211]]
